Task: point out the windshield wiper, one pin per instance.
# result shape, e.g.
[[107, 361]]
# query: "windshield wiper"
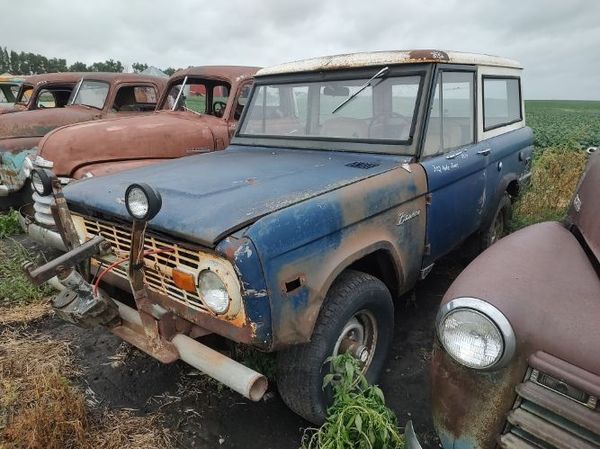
[[363, 87], [179, 94]]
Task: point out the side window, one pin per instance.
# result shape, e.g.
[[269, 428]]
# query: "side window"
[[451, 117], [220, 94], [145, 94], [135, 99], [3, 98], [501, 102], [45, 99]]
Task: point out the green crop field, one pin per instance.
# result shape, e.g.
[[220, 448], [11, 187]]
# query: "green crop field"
[[574, 124]]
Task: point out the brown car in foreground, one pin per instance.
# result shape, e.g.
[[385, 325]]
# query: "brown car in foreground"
[[516, 362]]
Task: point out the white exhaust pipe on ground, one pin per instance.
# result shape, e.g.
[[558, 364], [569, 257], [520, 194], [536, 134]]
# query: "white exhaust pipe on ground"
[[236, 376]]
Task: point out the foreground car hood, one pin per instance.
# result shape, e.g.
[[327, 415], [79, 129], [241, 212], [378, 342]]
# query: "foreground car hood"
[[39, 122], [206, 197], [159, 135], [541, 279]]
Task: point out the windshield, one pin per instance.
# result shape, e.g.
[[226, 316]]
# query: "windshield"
[[366, 109], [198, 96], [90, 93], [25, 94]]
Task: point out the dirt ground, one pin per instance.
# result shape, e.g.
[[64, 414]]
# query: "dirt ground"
[[203, 414]]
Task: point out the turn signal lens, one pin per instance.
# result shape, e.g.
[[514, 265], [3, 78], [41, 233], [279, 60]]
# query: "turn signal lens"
[[184, 281]]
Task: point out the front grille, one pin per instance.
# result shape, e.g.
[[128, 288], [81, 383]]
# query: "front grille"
[[157, 267], [551, 414]]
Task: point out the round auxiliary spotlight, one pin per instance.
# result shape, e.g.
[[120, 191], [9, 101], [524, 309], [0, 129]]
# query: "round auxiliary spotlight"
[[142, 201], [41, 181]]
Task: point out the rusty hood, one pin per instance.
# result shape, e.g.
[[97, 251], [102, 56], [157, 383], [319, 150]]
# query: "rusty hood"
[[39, 122], [207, 197], [159, 135]]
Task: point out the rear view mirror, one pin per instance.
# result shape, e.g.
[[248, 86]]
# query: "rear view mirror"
[[336, 91]]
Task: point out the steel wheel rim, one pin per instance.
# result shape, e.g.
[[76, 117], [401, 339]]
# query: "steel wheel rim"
[[360, 330], [497, 228]]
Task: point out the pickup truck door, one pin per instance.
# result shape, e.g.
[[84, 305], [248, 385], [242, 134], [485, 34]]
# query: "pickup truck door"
[[454, 163]]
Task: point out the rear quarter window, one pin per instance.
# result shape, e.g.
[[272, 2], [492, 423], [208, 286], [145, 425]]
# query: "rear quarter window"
[[501, 101]]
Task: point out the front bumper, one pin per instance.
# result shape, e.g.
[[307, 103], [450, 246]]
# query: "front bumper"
[[151, 328]]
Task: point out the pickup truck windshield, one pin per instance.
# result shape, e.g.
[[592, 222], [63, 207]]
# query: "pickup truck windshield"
[[91, 93], [382, 111]]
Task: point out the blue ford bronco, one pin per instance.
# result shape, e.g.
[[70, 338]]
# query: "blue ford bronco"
[[347, 178]]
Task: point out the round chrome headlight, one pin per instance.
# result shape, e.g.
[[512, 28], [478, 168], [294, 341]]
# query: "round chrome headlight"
[[475, 333], [142, 201], [213, 291]]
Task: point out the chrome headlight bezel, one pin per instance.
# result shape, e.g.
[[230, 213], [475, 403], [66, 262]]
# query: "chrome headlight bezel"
[[493, 315]]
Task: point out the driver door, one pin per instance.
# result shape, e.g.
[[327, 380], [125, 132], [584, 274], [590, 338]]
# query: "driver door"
[[455, 173]]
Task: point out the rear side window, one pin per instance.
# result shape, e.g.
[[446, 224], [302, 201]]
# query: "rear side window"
[[501, 102], [145, 94]]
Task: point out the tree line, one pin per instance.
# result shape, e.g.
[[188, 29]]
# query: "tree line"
[[26, 63]]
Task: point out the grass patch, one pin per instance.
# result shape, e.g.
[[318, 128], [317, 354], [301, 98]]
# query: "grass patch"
[[40, 408], [554, 177], [358, 418], [15, 288], [9, 224]]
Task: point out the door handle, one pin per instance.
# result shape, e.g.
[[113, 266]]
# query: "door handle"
[[454, 155], [485, 151]]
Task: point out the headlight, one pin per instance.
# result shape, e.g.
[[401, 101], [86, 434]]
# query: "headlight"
[[142, 201], [475, 333], [213, 291]]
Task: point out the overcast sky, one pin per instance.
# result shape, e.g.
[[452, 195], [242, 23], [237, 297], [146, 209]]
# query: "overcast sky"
[[558, 42]]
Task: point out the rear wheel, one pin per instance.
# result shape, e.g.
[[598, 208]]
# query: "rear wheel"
[[357, 317], [498, 227]]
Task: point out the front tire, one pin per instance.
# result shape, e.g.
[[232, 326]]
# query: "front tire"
[[357, 316]]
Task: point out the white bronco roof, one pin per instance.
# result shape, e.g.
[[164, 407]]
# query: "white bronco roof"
[[378, 58]]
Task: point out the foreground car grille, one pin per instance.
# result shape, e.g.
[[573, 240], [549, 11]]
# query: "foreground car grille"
[[158, 267], [552, 414]]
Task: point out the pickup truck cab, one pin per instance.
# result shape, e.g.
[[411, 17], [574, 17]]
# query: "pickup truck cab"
[[515, 361], [96, 95], [202, 120], [347, 178], [49, 90]]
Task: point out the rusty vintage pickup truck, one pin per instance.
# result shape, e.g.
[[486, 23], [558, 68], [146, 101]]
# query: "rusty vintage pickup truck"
[[347, 178], [202, 119], [96, 95], [516, 362]]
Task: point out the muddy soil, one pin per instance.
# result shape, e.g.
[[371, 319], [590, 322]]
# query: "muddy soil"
[[203, 414]]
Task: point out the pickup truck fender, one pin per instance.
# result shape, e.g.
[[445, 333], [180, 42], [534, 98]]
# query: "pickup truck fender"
[[303, 248]]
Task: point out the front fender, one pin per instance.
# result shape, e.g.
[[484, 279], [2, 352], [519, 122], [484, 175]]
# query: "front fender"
[[304, 247]]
